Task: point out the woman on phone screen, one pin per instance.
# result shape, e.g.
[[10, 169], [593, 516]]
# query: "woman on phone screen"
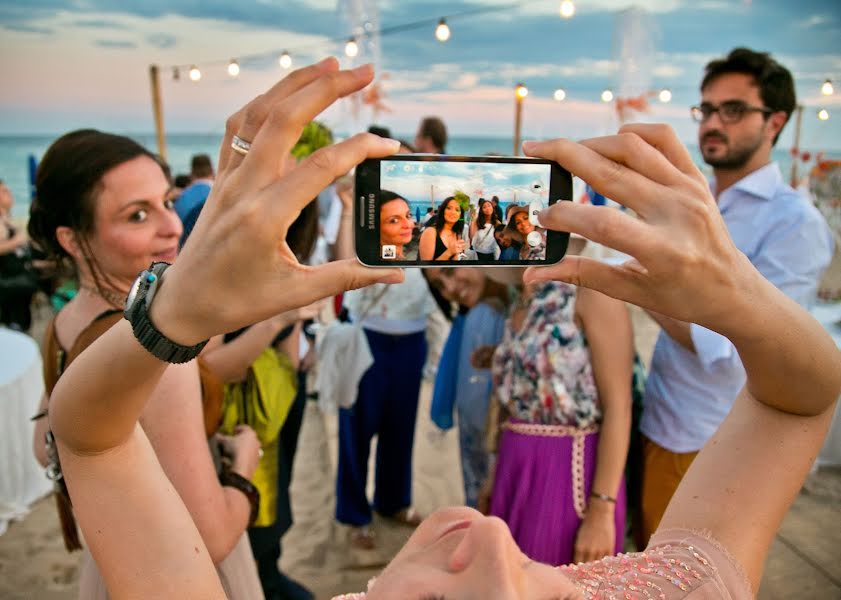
[[444, 241]]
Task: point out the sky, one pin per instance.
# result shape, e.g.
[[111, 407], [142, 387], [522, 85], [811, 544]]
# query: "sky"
[[416, 181], [66, 64]]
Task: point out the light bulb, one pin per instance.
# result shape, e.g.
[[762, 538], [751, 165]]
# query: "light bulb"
[[567, 9], [285, 60], [665, 95], [560, 94], [233, 68], [195, 74], [823, 114], [351, 48], [826, 88], [442, 32], [521, 91], [607, 96]]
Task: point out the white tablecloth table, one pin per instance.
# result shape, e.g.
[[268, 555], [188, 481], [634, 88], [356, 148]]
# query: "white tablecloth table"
[[829, 315], [22, 479]]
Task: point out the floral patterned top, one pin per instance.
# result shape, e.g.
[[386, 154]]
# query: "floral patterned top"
[[542, 374]]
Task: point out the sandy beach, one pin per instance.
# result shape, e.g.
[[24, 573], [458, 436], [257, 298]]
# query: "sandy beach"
[[34, 564]]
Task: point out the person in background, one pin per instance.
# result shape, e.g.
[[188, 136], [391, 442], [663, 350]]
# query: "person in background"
[[482, 232], [696, 374], [485, 301], [497, 208], [102, 205], [195, 194], [509, 249], [431, 137], [18, 282]]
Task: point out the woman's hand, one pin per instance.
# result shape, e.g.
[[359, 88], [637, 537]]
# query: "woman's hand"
[[456, 247], [236, 269], [596, 537], [243, 450], [678, 239]]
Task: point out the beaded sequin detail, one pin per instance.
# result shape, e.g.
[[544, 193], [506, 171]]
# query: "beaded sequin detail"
[[656, 573]]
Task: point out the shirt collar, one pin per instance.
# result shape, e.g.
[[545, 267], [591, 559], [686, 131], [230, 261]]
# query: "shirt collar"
[[762, 183]]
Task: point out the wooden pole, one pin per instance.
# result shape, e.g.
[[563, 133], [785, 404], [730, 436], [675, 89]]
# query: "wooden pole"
[[518, 121], [798, 122], [157, 109]]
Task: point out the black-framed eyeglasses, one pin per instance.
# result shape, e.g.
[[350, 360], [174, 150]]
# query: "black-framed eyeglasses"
[[730, 111]]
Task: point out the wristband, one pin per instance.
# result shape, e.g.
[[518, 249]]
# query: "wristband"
[[235, 480], [603, 497]]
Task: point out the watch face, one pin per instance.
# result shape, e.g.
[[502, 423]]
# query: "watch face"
[[132, 294]]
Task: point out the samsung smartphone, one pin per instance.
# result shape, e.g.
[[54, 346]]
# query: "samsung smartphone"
[[431, 210]]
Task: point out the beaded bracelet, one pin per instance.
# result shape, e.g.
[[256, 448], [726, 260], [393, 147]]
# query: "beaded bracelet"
[[603, 497]]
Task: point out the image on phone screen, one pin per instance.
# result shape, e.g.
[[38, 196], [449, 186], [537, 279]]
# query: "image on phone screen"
[[431, 210]]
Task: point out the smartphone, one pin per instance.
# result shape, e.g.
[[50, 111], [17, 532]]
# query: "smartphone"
[[432, 210]]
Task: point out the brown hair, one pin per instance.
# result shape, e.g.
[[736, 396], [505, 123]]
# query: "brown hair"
[[434, 129]]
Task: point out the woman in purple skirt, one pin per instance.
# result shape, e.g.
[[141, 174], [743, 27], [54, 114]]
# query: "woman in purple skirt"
[[563, 376]]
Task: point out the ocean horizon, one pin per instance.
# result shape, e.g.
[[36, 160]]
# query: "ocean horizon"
[[15, 151]]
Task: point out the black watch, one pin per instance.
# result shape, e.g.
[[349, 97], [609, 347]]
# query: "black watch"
[[137, 313]]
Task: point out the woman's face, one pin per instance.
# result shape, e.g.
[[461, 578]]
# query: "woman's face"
[[457, 553], [396, 223], [134, 221], [463, 286], [522, 223], [487, 209], [452, 212]]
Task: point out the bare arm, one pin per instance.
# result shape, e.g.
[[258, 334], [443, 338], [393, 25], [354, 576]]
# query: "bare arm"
[[686, 266], [426, 247], [13, 243], [610, 338], [344, 240]]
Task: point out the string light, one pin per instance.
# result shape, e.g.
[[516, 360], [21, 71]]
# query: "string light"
[[567, 9], [351, 48], [442, 32], [195, 74], [285, 60], [521, 91], [607, 96], [560, 94], [233, 68], [823, 114], [826, 88], [665, 95]]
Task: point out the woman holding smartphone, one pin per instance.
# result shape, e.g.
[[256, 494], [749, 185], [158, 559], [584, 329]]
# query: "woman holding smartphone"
[[715, 535], [444, 241]]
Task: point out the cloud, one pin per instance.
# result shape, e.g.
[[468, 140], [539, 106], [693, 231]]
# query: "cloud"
[[812, 21], [466, 81], [28, 28], [100, 24], [161, 40], [118, 44]]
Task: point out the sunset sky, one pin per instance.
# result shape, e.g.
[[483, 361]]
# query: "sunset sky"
[[73, 63]]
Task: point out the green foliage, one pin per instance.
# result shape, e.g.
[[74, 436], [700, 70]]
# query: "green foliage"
[[315, 135], [463, 201]]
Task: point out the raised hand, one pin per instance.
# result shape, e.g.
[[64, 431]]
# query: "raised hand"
[[236, 269], [684, 260]]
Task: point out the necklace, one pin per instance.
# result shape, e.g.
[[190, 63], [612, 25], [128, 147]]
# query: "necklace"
[[110, 296]]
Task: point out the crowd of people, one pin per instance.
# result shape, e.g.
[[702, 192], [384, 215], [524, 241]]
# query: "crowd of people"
[[172, 432]]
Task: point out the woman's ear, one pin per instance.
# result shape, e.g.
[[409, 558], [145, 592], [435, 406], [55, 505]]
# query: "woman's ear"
[[66, 237]]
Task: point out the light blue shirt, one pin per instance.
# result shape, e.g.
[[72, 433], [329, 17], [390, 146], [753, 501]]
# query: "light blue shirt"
[[483, 326], [193, 195], [687, 395]]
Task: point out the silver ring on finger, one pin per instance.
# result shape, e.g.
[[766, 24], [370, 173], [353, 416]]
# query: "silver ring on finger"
[[240, 146]]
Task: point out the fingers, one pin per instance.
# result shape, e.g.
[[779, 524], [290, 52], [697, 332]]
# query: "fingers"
[[338, 276], [608, 177], [285, 121], [601, 224], [664, 139], [247, 121], [318, 170], [615, 281], [634, 152]]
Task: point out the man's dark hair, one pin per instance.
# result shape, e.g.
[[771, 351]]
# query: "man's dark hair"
[[434, 129], [776, 85], [201, 166]]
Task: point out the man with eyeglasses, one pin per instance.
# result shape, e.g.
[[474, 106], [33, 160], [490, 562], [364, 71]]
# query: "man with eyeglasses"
[[746, 100]]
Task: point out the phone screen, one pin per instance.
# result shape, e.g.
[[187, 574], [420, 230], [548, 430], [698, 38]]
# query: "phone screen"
[[436, 210]]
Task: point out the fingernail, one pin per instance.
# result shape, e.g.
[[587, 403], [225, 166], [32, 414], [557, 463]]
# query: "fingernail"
[[529, 146], [327, 61], [363, 69], [542, 217], [393, 145], [391, 277]]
